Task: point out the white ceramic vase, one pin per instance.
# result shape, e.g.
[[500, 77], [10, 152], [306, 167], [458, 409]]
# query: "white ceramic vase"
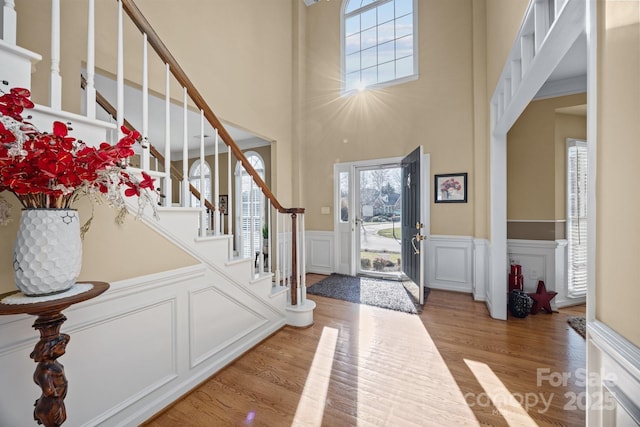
[[47, 254]]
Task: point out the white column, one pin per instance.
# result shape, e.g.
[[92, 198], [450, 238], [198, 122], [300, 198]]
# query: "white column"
[[252, 244], [204, 220], [229, 198], [55, 81], [145, 163], [302, 262], [185, 151], [216, 186], [9, 19], [269, 253], [90, 90], [167, 136], [120, 73], [278, 244]]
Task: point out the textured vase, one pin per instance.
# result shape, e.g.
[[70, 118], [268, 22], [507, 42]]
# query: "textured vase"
[[47, 254]]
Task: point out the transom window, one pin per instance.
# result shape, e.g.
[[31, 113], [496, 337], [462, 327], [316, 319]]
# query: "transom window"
[[379, 41]]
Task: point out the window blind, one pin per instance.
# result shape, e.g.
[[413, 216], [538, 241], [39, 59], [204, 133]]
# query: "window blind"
[[577, 169]]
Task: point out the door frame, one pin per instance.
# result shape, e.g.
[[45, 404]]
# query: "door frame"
[[345, 249]]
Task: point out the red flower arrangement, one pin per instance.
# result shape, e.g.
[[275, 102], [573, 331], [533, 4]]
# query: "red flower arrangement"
[[450, 183], [52, 170]]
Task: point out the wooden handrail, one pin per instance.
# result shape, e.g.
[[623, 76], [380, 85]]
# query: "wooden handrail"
[[165, 55], [111, 110]]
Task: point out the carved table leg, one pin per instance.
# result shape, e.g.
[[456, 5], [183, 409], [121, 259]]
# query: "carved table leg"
[[49, 374]]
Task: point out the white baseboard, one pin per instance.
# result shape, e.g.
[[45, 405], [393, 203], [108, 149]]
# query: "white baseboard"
[[613, 386]]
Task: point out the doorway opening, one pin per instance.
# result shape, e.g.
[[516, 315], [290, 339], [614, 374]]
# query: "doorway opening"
[[378, 227]]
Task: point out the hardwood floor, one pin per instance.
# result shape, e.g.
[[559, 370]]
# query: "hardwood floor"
[[366, 366]]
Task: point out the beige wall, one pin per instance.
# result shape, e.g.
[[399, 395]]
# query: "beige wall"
[[618, 200], [436, 110], [535, 159]]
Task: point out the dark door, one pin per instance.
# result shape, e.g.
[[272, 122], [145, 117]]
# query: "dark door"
[[412, 220]]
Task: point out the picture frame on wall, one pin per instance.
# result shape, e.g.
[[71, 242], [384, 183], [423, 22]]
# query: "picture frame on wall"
[[450, 188], [223, 201]]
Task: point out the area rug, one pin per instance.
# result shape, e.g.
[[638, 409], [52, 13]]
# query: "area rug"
[[387, 294], [579, 324]]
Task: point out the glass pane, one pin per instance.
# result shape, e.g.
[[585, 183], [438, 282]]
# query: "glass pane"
[[352, 5], [369, 38], [353, 62], [352, 44], [368, 19], [370, 76], [404, 67], [353, 80], [404, 47], [352, 25], [369, 57], [385, 12], [344, 196], [386, 72], [367, 2], [386, 32], [403, 7], [386, 52], [404, 26]]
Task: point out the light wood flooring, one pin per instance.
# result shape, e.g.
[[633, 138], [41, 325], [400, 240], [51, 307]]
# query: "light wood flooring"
[[357, 365]]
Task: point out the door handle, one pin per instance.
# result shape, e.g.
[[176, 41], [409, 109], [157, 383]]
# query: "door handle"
[[417, 238]]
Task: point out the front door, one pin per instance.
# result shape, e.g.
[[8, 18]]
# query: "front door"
[[413, 219]]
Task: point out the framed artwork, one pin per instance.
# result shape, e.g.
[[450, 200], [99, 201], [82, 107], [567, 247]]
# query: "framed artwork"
[[450, 188], [223, 201]]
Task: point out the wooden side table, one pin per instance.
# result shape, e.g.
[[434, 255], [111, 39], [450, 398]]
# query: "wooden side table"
[[49, 374]]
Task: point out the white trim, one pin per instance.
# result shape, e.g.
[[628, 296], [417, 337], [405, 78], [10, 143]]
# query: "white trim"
[[320, 258], [481, 252], [562, 87], [613, 385], [557, 221], [450, 263]]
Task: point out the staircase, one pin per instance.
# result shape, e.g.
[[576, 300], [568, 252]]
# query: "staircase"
[[153, 337]]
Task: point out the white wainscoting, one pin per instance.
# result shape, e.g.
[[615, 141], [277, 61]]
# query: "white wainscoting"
[[450, 263], [320, 252], [543, 260], [613, 383], [138, 347], [481, 253]]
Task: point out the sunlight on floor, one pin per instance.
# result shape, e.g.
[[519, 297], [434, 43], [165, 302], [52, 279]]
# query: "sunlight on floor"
[[408, 371], [508, 404], [314, 396]]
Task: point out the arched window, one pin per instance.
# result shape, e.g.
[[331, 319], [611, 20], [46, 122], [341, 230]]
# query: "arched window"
[[249, 207], [194, 179], [379, 40]]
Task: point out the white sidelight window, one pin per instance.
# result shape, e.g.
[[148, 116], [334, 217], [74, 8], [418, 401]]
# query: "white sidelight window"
[[194, 179], [379, 43], [577, 169], [249, 207]]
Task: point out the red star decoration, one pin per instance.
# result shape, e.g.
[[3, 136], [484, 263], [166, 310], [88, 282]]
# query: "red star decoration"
[[542, 299]]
